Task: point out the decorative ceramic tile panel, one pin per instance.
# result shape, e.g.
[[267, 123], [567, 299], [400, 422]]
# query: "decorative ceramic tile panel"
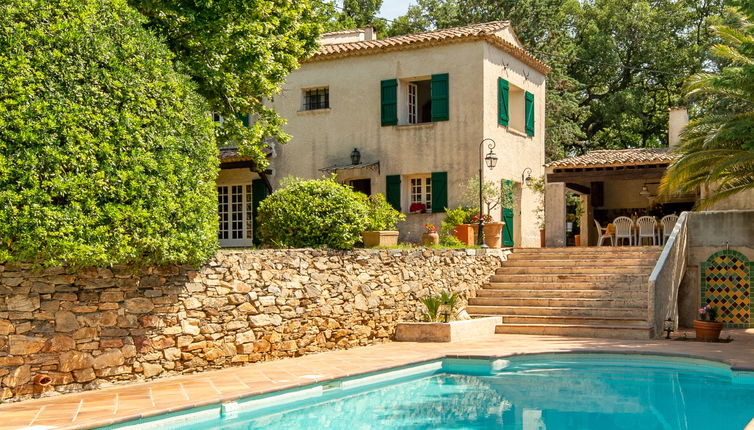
[[726, 283]]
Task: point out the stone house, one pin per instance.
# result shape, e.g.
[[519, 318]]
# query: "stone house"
[[404, 116]]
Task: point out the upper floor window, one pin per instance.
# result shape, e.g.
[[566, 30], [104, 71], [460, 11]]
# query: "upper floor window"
[[316, 98], [419, 101], [515, 107]]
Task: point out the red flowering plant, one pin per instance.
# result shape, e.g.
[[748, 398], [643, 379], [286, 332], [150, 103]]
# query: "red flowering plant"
[[430, 228], [416, 208], [485, 218]]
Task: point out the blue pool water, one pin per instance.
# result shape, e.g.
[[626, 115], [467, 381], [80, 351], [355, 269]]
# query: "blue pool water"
[[529, 393]]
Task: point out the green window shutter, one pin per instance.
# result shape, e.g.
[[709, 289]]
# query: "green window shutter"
[[529, 113], [258, 193], [439, 191], [244, 118], [503, 117], [389, 102], [440, 109], [393, 191]]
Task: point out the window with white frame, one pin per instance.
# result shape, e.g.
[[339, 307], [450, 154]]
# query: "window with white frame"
[[419, 107], [420, 193], [234, 209], [316, 98]]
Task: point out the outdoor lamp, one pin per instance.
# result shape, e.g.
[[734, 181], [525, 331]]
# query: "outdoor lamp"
[[355, 156], [526, 176], [644, 191], [491, 159]]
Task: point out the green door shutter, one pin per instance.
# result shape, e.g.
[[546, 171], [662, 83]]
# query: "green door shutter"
[[393, 191], [440, 109], [508, 218], [258, 193], [529, 113], [503, 117], [439, 191], [389, 101]]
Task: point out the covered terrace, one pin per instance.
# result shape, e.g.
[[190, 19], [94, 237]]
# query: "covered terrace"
[[611, 183]]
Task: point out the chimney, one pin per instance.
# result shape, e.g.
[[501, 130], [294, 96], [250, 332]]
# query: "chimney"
[[677, 120], [369, 33]]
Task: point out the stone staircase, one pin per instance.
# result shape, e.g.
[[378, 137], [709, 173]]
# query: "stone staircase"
[[575, 291]]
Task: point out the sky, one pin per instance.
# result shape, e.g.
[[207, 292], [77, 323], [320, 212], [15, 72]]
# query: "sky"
[[392, 9]]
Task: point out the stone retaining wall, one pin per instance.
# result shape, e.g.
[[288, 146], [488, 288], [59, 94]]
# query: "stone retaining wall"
[[97, 326]]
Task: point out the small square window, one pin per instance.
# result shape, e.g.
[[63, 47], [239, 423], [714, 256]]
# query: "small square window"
[[317, 98]]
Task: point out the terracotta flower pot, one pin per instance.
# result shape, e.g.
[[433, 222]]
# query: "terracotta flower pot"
[[707, 331], [429, 239], [493, 233], [475, 233], [542, 238], [465, 233], [576, 240], [379, 238]]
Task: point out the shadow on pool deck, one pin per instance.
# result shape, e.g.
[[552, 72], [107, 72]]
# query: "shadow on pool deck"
[[133, 400]]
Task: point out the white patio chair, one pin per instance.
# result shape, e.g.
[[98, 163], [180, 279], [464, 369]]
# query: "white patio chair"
[[602, 234], [668, 223], [647, 228], [624, 230]]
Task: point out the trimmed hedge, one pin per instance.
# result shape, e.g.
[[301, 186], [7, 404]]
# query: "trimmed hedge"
[[107, 155], [313, 213]]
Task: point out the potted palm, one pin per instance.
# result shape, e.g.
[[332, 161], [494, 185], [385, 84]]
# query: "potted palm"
[[707, 327], [382, 223]]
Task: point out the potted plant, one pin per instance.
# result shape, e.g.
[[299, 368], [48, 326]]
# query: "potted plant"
[[493, 232], [382, 223], [707, 328], [417, 208], [475, 225], [457, 223], [431, 235]]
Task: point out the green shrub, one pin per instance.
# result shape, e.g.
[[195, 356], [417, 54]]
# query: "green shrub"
[[313, 213], [107, 154], [453, 217], [382, 215]]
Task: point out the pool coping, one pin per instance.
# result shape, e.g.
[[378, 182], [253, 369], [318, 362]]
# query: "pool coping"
[[404, 354]]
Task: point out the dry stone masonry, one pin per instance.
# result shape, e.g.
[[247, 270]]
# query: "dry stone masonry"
[[97, 326]]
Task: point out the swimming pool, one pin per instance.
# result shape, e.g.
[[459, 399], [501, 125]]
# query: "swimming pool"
[[532, 392]]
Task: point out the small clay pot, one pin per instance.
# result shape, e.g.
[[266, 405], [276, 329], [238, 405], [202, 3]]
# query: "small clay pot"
[[707, 331], [429, 239]]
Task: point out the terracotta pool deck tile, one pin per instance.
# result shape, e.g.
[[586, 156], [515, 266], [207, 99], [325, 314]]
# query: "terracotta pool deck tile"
[[133, 400]]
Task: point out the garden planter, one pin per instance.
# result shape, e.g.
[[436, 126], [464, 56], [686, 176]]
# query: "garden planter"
[[493, 233], [542, 238], [576, 240], [379, 238], [707, 331], [446, 332], [429, 239], [465, 233], [475, 233]]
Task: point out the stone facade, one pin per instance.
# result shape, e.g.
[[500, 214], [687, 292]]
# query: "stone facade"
[[96, 326]]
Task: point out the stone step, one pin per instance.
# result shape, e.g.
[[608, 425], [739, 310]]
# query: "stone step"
[[559, 302], [604, 263], [632, 312], [626, 294], [614, 270], [570, 277], [579, 330], [587, 249], [583, 256], [534, 284], [549, 319]]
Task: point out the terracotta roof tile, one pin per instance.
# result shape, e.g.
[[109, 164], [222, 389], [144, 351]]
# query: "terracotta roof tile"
[[485, 31], [616, 157]]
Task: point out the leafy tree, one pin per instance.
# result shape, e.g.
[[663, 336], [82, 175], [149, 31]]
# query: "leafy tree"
[[238, 52], [106, 152], [313, 213], [717, 148], [352, 14]]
